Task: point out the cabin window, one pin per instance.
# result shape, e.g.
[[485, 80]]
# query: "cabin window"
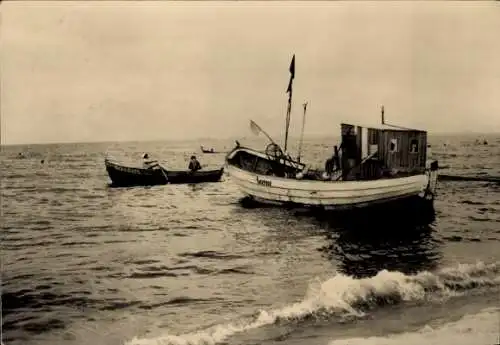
[[414, 146], [393, 146], [373, 134]]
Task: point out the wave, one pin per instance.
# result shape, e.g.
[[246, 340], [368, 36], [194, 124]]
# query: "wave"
[[480, 328], [346, 297]]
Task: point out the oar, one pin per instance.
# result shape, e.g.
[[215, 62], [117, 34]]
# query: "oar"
[[164, 173], [162, 169]]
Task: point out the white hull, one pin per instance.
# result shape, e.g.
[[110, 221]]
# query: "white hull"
[[329, 194]]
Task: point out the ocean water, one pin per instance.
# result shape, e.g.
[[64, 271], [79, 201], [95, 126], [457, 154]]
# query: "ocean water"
[[83, 263]]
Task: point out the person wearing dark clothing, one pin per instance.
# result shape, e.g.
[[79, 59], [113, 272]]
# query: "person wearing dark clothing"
[[329, 166], [333, 163], [336, 158], [194, 165]]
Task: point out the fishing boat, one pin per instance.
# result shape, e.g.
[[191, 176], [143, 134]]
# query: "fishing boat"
[[125, 176], [374, 165]]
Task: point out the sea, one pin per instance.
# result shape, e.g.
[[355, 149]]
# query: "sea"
[[84, 263]]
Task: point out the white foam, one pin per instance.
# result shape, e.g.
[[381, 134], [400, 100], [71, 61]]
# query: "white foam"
[[341, 295], [481, 329]]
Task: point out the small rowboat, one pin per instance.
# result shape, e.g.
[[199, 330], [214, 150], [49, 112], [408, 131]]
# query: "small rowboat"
[[124, 176], [208, 151], [204, 150]]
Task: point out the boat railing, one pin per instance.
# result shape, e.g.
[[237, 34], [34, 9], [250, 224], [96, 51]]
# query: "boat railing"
[[293, 163]]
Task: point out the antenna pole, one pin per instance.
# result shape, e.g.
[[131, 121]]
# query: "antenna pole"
[[288, 111], [302, 133]]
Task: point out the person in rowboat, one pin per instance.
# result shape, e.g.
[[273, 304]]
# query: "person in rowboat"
[[194, 165], [148, 163]]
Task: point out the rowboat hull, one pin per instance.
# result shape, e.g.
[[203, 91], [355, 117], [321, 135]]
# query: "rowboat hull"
[[123, 176], [329, 195], [209, 151]]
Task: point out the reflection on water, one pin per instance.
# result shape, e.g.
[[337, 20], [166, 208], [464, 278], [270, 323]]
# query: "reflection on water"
[[396, 236], [365, 254], [371, 242]]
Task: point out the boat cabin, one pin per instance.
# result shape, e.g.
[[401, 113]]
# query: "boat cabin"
[[369, 153], [366, 153]]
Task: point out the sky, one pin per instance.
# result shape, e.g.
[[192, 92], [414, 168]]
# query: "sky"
[[102, 71]]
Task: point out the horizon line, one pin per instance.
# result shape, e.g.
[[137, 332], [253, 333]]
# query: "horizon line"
[[224, 138]]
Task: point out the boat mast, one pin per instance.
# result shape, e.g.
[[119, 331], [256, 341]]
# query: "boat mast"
[[289, 91], [302, 133]]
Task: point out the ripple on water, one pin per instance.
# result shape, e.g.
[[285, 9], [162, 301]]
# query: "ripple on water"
[[211, 254]]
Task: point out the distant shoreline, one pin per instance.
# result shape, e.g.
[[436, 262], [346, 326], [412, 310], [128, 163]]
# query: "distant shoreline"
[[201, 140]]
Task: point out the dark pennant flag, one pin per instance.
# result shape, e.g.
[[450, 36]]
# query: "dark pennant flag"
[[292, 74]]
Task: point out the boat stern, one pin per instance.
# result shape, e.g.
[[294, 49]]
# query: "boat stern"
[[431, 170]]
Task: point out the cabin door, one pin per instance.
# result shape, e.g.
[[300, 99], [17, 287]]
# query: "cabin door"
[[350, 149]]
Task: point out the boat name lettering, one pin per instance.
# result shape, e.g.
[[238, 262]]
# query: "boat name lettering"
[[262, 182]]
